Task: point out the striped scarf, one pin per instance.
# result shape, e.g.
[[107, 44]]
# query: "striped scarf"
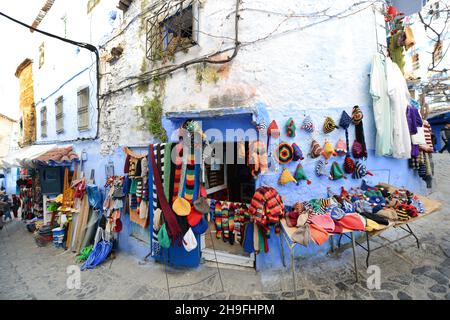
[[178, 167], [190, 176], [172, 226]]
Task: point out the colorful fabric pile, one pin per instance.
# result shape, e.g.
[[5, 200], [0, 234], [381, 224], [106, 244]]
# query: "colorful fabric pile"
[[366, 208], [230, 219]]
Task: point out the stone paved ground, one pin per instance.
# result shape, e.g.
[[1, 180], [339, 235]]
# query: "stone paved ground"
[[31, 272]]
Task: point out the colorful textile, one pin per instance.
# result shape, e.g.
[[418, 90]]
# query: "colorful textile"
[[308, 125], [190, 176], [177, 174], [285, 153], [266, 207], [290, 128], [316, 149], [357, 117], [301, 175], [329, 125], [172, 226]]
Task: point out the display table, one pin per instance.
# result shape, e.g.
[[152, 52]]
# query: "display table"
[[430, 205]]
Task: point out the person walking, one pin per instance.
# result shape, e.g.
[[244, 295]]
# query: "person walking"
[[16, 203], [5, 206], [445, 135]]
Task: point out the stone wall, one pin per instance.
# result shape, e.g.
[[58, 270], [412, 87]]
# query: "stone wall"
[[27, 112]]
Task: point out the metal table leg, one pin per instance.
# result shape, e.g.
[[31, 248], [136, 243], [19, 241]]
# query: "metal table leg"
[[282, 249], [368, 249], [415, 237], [293, 272], [354, 256], [339, 241]]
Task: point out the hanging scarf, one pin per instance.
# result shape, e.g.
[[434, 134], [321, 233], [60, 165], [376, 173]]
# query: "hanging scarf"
[[357, 117], [190, 175], [167, 169], [178, 165], [173, 229]]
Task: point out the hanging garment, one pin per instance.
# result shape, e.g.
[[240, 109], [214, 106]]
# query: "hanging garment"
[[381, 106], [177, 170], [266, 207], [190, 176], [399, 99], [167, 169], [80, 228], [409, 41], [428, 147], [172, 226], [414, 123], [357, 117], [397, 52], [158, 154], [258, 160]]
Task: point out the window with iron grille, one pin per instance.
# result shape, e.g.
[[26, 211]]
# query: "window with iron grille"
[[83, 109], [44, 122], [59, 115], [41, 55], [91, 4], [171, 29]]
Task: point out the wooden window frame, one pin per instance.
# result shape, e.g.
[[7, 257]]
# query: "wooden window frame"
[[43, 122], [81, 110], [59, 115]]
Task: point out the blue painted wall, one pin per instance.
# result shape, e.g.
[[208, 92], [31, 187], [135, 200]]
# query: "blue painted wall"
[[385, 169]]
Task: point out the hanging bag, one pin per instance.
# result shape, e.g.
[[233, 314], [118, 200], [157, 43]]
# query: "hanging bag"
[[419, 137]]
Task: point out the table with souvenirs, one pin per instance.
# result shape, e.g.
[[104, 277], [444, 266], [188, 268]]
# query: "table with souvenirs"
[[369, 210]]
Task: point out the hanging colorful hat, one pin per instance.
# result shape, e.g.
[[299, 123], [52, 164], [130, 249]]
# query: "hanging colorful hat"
[[316, 149], [307, 124], [357, 150], [341, 147], [318, 234], [273, 130], [335, 212], [261, 125], [328, 150], [290, 128], [194, 217], [323, 220], [201, 227], [329, 125], [181, 206], [336, 172], [345, 120], [189, 241], [286, 177], [298, 154], [361, 171], [357, 115], [302, 235], [201, 205], [349, 164], [321, 168], [285, 153], [301, 175]]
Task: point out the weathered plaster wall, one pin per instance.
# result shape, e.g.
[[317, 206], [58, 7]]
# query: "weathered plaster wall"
[[68, 68], [305, 64], [27, 111], [122, 122]]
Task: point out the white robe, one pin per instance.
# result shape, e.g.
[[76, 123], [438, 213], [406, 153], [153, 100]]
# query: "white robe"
[[399, 99]]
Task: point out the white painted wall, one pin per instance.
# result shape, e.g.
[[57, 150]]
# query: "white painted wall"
[[282, 72], [62, 72]]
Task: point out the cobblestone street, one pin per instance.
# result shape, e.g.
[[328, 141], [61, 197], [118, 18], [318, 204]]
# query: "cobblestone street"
[[32, 272]]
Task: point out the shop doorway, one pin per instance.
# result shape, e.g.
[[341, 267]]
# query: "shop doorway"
[[230, 182]]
